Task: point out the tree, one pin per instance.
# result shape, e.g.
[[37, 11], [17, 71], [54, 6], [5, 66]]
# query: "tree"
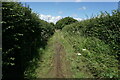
[[65, 21]]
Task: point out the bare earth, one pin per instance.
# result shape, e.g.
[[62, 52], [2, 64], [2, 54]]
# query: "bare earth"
[[61, 67]]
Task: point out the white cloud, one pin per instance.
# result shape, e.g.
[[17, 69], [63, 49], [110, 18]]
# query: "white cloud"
[[79, 19], [82, 8], [50, 18], [54, 19], [60, 12], [78, 0]]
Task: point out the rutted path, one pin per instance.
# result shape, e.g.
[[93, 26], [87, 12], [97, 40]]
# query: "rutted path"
[[60, 67], [59, 54], [54, 62], [60, 61]]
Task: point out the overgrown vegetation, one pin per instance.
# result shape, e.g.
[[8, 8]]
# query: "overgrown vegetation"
[[64, 21], [99, 36], [23, 34]]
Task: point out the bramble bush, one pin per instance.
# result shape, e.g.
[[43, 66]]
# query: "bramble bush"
[[23, 34], [100, 36]]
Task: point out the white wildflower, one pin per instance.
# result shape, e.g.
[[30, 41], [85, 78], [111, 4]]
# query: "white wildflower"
[[83, 49], [78, 54]]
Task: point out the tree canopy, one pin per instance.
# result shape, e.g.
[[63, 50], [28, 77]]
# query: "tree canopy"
[[65, 21]]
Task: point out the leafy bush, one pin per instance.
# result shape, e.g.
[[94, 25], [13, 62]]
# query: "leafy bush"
[[65, 21], [23, 34], [100, 37]]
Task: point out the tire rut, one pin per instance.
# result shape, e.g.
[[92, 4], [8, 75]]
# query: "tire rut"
[[59, 65]]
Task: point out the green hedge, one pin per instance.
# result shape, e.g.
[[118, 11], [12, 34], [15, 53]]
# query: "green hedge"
[[23, 34], [101, 37], [104, 27]]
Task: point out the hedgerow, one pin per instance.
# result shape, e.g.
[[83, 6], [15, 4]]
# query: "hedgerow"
[[100, 36], [23, 34]]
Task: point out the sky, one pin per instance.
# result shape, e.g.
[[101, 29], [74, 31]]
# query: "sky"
[[68, 0], [54, 11]]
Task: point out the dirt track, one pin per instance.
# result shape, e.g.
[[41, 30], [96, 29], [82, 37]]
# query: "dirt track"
[[59, 49], [60, 67]]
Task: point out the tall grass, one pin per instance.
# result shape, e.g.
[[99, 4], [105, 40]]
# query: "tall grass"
[[99, 36]]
